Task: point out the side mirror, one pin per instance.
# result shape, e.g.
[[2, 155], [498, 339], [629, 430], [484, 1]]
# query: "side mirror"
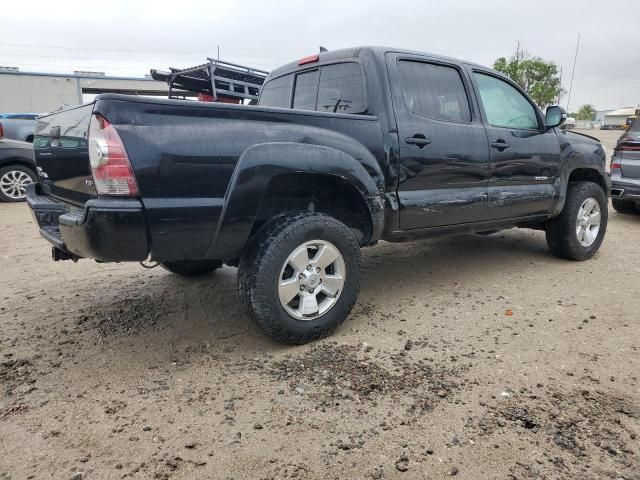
[[555, 116]]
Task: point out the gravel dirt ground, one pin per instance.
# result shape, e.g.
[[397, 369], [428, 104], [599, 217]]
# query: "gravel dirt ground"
[[475, 357]]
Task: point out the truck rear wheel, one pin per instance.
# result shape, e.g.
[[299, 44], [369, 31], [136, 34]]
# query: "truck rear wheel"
[[578, 232], [192, 268], [300, 276], [625, 206]]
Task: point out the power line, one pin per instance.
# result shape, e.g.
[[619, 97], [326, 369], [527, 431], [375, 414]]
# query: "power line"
[[143, 63], [575, 59], [169, 52]]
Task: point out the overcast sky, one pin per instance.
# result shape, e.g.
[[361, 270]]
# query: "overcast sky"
[[130, 37]]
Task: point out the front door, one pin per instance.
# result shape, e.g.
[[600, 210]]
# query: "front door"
[[444, 152], [525, 156]]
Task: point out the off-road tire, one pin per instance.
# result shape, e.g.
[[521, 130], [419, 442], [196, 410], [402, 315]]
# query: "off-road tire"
[[192, 268], [561, 230], [625, 206], [261, 266]]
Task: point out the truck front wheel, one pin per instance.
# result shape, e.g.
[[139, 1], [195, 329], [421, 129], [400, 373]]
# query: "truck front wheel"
[[300, 276], [578, 232], [191, 268]]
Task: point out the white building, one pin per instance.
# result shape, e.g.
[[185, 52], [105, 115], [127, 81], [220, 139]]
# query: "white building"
[[600, 116], [46, 92], [619, 116]]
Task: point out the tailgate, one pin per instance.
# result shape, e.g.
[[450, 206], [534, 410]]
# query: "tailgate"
[[61, 154], [630, 163]]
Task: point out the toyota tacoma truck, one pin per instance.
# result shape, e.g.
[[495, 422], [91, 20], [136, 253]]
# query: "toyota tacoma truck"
[[345, 148]]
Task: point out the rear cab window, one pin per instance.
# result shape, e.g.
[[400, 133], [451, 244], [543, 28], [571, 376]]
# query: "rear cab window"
[[335, 88], [277, 92]]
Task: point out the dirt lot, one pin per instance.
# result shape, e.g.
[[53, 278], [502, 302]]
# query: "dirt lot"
[[474, 357]]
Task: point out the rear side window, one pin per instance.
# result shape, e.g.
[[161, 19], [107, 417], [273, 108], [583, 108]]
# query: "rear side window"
[[337, 88], [306, 91], [434, 91], [504, 105], [277, 92], [341, 89]]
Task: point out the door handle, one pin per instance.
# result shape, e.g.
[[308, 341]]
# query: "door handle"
[[500, 144], [419, 140]]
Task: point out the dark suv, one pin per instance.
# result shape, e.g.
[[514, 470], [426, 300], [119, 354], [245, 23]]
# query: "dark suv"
[[625, 171]]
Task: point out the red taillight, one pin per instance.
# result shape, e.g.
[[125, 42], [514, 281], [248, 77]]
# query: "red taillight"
[[309, 59], [110, 166], [1, 131], [615, 165]]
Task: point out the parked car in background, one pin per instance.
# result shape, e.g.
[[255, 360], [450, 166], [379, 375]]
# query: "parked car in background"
[[344, 148], [18, 126], [569, 123], [17, 169], [625, 171]]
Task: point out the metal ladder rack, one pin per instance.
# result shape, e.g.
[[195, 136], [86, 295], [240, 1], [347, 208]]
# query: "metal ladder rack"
[[221, 80]]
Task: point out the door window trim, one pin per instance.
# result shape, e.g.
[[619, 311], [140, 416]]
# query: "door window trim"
[[510, 82], [461, 73]]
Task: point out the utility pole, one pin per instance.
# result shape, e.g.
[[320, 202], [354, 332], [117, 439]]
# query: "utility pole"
[[572, 73], [560, 89], [218, 52]]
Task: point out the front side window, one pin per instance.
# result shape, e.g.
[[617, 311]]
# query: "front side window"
[[434, 91], [504, 105]]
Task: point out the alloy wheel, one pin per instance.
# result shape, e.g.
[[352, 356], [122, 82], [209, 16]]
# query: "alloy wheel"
[[311, 280]]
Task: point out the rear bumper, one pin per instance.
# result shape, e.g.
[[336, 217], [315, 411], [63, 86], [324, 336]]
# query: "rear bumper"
[[625, 190], [108, 230]]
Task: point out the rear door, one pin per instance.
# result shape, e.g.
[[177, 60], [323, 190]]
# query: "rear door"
[[444, 153], [525, 156], [61, 154]]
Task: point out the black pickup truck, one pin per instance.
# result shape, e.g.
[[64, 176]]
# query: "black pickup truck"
[[344, 149]]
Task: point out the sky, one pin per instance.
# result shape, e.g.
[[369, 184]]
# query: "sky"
[[127, 38]]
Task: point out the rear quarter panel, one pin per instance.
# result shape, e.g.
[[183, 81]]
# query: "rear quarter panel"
[[184, 155]]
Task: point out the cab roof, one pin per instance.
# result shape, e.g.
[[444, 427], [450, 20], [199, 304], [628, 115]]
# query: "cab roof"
[[359, 52]]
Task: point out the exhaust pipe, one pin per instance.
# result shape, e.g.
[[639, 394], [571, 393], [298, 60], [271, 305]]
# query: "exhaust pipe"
[[617, 192], [58, 255]]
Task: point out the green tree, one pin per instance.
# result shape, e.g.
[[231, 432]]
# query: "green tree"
[[540, 79], [586, 112]]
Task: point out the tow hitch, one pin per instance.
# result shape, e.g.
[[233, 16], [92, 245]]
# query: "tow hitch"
[[59, 255]]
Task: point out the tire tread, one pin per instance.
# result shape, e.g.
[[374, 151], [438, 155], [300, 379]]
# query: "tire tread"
[[259, 255]]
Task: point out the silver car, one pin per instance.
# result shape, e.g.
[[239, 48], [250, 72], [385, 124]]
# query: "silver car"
[[18, 126], [625, 171]]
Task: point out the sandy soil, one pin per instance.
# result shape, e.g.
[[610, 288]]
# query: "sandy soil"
[[474, 357]]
